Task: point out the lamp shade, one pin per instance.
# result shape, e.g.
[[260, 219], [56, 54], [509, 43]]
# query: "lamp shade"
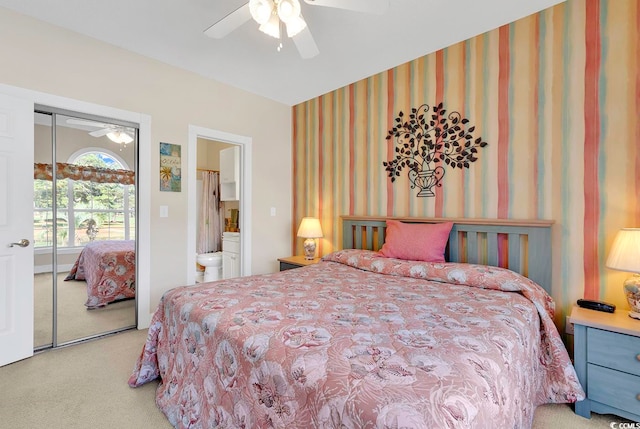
[[310, 228], [271, 27], [288, 10], [625, 252], [261, 10]]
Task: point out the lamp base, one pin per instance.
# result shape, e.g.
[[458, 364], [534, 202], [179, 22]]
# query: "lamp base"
[[632, 292], [309, 248]]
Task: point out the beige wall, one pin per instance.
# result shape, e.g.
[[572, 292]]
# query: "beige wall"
[[208, 156], [48, 59]]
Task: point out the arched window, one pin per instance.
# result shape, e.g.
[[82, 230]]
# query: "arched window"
[[86, 210]]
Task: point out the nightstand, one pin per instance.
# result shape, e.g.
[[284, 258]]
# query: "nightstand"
[[296, 262], [607, 361]]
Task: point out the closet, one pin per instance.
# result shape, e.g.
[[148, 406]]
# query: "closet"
[[84, 195]]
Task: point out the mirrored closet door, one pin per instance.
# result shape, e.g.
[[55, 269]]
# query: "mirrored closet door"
[[84, 226]]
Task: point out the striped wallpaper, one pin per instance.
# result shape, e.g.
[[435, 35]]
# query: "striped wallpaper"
[[557, 97]]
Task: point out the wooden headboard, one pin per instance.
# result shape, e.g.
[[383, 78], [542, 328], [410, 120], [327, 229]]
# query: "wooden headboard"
[[523, 246]]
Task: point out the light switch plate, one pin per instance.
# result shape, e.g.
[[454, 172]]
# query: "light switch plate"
[[164, 211]]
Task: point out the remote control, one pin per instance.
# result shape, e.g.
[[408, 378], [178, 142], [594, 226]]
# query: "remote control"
[[597, 305]]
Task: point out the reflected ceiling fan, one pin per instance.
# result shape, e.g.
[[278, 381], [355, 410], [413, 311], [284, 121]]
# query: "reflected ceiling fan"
[[274, 16], [115, 133]]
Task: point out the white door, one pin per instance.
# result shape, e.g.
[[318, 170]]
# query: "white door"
[[16, 225]]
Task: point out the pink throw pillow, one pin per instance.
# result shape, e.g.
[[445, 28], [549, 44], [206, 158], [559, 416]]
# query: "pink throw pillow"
[[416, 241]]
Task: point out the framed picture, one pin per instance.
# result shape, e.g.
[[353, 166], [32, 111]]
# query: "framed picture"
[[170, 167]]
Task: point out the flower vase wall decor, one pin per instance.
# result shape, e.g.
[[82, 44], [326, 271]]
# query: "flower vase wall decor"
[[429, 141]]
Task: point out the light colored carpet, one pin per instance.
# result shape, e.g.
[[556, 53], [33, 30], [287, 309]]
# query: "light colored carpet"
[[80, 386], [74, 320], [85, 386]]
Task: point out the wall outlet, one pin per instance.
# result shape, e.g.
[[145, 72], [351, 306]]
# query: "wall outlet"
[[568, 326]]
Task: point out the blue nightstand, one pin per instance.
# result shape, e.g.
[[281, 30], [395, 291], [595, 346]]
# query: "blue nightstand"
[[296, 262], [607, 361]]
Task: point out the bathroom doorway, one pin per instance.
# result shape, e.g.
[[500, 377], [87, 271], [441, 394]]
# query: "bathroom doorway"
[[205, 146], [217, 210]]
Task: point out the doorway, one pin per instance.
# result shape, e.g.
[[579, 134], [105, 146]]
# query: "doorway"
[[244, 204], [85, 217]]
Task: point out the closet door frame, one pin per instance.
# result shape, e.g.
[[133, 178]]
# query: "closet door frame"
[[54, 114], [143, 257]]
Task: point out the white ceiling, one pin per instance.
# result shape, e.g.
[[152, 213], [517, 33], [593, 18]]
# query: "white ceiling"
[[352, 45]]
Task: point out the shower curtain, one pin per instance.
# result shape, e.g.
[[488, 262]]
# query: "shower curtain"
[[210, 219]]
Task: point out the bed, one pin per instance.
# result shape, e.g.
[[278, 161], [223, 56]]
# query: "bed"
[[363, 340], [108, 267]]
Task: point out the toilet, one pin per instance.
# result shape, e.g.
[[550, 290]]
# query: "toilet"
[[212, 263]]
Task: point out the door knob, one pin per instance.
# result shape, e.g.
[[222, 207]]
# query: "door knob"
[[22, 243]]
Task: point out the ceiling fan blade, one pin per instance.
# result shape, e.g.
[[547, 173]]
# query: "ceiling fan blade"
[[229, 23], [100, 133], [370, 6], [305, 44]]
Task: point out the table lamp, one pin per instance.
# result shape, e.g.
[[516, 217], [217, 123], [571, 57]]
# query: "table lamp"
[[625, 256], [310, 229]]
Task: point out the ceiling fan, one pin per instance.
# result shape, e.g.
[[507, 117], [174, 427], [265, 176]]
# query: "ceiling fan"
[[274, 15], [115, 133]]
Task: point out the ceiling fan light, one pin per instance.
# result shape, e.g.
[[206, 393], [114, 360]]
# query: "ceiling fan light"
[[261, 10], [271, 27], [295, 26], [119, 137], [288, 10]]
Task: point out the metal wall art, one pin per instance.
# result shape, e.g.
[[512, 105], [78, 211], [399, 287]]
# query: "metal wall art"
[[429, 141]]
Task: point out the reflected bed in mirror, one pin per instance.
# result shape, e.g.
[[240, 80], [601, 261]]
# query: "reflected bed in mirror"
[[109, 268]]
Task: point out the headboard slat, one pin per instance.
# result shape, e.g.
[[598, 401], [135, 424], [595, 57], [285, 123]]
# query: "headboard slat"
[[528, 243], [358, 237], [492, 248], [514, 253], [381, 233], [454, 242], [369, 237], [472, 247]]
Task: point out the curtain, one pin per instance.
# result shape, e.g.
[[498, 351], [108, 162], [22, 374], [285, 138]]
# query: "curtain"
[[210, 219], [84, 172]]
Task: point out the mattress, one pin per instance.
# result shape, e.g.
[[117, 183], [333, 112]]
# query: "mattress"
[[358, 341], [108, 267]]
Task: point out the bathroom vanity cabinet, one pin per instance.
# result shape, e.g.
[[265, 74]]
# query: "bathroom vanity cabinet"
[[230, 255]]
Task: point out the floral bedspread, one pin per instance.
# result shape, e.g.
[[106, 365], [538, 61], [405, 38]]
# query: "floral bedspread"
[[109, 268], [358, 341]]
